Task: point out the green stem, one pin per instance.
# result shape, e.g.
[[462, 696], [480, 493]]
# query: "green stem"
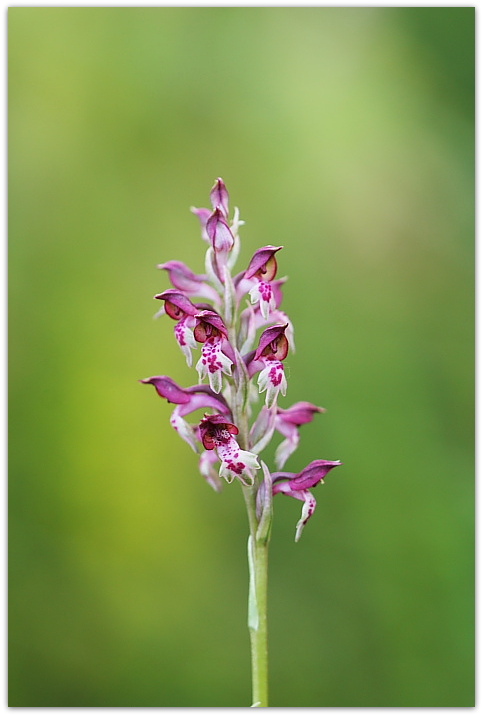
[[257, 619]]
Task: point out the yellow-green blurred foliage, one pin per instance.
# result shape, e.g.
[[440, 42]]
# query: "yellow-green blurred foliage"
[[345, 135]]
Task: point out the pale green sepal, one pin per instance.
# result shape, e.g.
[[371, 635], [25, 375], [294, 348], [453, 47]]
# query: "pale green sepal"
[[265, 524], [229, 297], [237, 222], [263, 428], [209, 266], [247, 329]]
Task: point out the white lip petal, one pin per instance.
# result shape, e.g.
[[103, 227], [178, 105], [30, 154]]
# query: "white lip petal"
[[236, 462]]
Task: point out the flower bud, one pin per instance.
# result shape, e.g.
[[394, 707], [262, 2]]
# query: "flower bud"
[[219, 232], [219, 197]]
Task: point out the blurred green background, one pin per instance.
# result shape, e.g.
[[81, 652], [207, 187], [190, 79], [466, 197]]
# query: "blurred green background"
[[347, 136]]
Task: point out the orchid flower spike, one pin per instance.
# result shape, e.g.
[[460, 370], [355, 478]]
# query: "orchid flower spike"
[[244, 336]]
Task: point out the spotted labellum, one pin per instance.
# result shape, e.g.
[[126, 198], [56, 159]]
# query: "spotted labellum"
[[243, 339]]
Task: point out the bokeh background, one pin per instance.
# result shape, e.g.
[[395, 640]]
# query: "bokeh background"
[[347, 136]]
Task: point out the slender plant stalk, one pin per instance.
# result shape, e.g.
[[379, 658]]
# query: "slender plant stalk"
[[257, 618]]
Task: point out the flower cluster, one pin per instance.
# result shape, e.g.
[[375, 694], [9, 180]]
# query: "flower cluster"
[[221, 313]]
